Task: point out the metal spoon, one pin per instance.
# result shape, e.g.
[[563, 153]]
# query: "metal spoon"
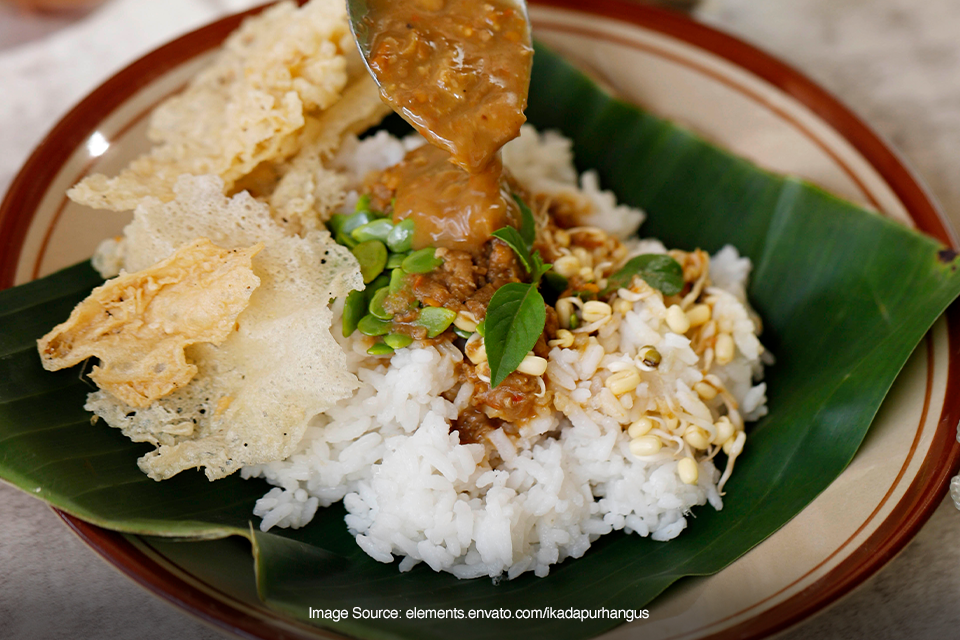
[[466, 97], [358, 11]]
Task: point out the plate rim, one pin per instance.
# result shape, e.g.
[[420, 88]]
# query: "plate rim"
[[928, 487]]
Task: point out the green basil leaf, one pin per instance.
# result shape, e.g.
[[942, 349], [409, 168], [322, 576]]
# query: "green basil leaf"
[[528, 226], [659, 270], [516, 242], [515, 319], [539, 268], [532, 263], [521, 241]]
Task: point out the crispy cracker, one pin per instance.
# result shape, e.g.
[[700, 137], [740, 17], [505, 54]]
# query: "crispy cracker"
[[308, 192], [254, 394], [139, 324], [247, 108]]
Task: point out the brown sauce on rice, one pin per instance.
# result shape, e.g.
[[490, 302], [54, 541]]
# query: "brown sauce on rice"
[[450, 207], [458, 71]]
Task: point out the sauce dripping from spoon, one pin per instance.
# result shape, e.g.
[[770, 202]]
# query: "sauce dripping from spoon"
[[459, 72]]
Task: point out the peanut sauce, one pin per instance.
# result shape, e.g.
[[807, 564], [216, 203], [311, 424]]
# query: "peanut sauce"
[[457, 70], [450, 207]]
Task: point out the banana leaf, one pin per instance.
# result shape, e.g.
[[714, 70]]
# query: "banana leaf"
[[845, 295]]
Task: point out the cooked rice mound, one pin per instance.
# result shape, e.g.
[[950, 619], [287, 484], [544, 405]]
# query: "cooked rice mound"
[[523, 503]]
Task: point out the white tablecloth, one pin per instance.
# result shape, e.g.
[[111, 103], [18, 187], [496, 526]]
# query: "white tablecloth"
[[896, 62]]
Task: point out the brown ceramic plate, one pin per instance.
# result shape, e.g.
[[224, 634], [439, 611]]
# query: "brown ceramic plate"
[[723, 88]]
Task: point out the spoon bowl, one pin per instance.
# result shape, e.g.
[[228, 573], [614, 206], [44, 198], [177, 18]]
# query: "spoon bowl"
[[358, 12]]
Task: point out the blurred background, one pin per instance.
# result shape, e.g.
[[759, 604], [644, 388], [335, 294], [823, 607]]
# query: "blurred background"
[[894, 62]]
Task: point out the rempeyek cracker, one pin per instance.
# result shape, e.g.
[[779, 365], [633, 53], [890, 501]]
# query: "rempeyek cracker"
[[253, 395], [274, 74], [243, 156], [139, 324], [308, 192]]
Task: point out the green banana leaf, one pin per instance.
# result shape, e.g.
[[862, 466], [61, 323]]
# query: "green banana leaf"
[[845, 295]]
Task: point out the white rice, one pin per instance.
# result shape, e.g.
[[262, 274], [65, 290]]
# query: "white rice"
[[412, 491]]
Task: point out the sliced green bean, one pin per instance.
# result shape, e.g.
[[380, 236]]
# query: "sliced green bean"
[[397, 279], [395, 260], [372, 326], [376, 304], [346, 240], [356, 220], [378, 283], [380, 349], [461, 333], [435, 320], [422, 261], [398, 340], [354, 308], [335, 223], [372, 256], [400, 238], [379, 229], [482, 328], [363, 203]]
